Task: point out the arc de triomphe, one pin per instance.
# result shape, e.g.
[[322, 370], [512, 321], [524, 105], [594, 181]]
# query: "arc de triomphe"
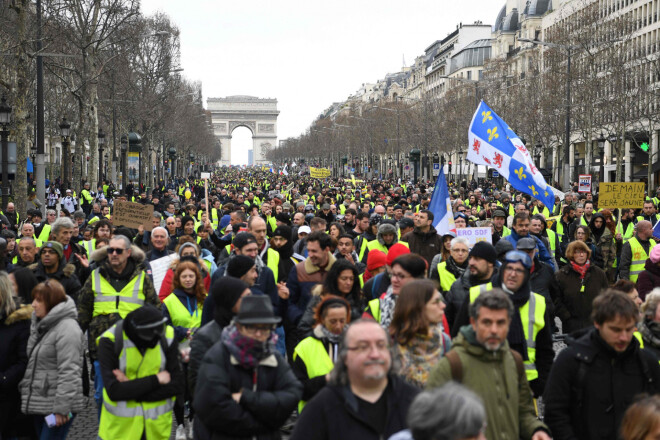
[[257, 114]]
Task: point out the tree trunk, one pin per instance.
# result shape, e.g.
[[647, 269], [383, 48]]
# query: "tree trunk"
[[22, 107]]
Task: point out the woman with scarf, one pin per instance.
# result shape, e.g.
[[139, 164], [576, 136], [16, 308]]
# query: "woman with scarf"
[[648, 331], [579, 283], [314, 356], [446, 272], [583, 234], [602, 235], [419, 342], [245, 389], [342, 281]]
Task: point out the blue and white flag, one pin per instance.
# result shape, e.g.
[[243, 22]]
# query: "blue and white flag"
[[656, 230], [494, 144], [440, 206]]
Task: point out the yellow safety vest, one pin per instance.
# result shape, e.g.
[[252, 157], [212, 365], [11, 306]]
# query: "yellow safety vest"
[[363, 245], [630, 231], [273, 262], [181, 315], [532, 315], [552, 239], [130, 419], [375, 244], [374, 307], [38, 243], [89, 246], [316, 358], [272, 222], [45, 233], [446, 278], [638, 335], [505, 231], [639, 257], [108, 300]]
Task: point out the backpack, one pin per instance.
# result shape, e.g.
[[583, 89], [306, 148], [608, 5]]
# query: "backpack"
[[456, 365]]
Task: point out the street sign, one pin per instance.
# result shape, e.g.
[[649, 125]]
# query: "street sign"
[[352, 170], [496, 173], [436, 169]]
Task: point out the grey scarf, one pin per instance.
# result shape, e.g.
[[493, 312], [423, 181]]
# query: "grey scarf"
[[650, 331], [387, 308]]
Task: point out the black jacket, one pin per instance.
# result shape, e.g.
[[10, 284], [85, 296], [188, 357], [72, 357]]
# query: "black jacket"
[[572, 305], [264, 405], [591, 404], [458, 294], [204, 339], [333, 413], [543, 282], [65, 275]]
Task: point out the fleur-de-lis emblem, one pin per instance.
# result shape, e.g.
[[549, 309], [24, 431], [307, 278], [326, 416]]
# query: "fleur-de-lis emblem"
[[546, 194], [534, 191], [492, 133], [521, 173], [487, 117]]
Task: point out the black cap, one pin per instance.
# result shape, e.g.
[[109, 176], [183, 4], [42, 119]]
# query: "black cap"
[[484, 250], [406, 223], [242, 239]]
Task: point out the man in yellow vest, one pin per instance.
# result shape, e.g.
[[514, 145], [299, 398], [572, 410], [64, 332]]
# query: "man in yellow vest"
[[636, 251], [530, 333], [118, 286], [139, 364]]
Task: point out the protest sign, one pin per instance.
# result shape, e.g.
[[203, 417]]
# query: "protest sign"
[[319, 173], [132, 215], [584, 183], [205, 175], [475, 235], [614, 195], [159, 269]]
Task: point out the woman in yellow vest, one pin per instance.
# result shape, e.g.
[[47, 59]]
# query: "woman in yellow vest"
[[314, 356], [183, 308]]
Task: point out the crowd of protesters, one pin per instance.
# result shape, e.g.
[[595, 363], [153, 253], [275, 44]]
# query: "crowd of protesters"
[[328, 309]]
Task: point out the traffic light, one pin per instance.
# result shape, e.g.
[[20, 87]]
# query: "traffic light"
[[450, 167], [442, 161], [645, 147]]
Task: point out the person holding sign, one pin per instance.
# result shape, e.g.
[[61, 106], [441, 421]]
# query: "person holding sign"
[[636, 251]]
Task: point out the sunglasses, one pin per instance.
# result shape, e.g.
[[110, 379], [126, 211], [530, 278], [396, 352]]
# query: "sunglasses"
[[118, 251]]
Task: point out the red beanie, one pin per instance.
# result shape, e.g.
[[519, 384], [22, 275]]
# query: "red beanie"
[[395, 251], [376, 259]]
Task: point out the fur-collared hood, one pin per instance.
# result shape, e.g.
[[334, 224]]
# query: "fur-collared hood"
[[101, 254], [23, 313], [310, 268], [67, 269]]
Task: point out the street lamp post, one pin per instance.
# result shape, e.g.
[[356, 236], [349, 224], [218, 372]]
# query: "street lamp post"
[[124, 149], [601, 151], [576, 159], [65, 132], [101, 137], [5, 120], [414, 156], [460, 166], [105, 169]]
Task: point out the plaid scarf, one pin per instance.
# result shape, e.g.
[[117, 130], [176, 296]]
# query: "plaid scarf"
[[249, 352]]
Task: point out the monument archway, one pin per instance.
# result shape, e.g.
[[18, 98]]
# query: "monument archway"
[[259, 115]]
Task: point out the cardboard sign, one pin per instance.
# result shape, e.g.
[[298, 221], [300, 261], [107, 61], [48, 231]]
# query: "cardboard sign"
[[205, 175], [475, 235], [132, 215], [319, 173], [584, 183], [614, 195], [159, 269]]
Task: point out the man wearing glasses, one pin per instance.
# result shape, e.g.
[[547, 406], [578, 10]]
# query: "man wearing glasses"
[[116, 287], [363, 399]]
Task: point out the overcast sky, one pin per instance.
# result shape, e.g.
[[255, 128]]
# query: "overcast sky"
[[306, 53]]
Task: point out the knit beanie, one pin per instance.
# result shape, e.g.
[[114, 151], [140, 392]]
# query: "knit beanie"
[[484, 250], [55, 246], [655, 255], [283, 231], [376, 259], [239, 266], [395, 251], [386, 228]]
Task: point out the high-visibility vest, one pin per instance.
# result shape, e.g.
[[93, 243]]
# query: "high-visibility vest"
[[583, 222], [107, 300], [361, 244], [272, 222], [446, 278], [545, 212], [375, 244], [638, 335], [505, 231], [639, 257], [130, 419], [89, 246], [316, 358], [641, 217], [374, 307], [342, 209], [183, 316], [532, 316], [85, 198], [273, 262], [552, 239], [214, 217], [38, 243], [44, 235], [630, 231]]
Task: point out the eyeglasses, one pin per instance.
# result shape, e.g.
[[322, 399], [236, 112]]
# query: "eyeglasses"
[[118, 251], [253, 329], [400, 276], [366, 347]]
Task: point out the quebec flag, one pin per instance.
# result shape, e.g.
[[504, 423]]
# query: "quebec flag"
[[440, 206], [494, 144]]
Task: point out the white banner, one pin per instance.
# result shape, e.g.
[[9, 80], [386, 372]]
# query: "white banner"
[[475, 235]]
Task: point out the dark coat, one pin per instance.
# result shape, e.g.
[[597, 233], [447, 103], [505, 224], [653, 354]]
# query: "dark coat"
[[204, 339], [66, 275], [591, 404], [264, 405], [426, 244], [648, 279], [14, 334], [543, 282], [572, 306], [458, 294], [333, 413]]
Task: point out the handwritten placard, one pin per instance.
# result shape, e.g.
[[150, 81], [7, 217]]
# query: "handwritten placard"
[[159, 269], [132, 215], [475, 235], [614, 195], [319, 173]]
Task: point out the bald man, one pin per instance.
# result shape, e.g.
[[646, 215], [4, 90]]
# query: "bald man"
[[636, 251]]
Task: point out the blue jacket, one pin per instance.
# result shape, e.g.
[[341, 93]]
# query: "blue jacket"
[[544, 255]]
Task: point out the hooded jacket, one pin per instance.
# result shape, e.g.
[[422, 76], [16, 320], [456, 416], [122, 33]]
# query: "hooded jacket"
[[426, 244], [65, 274], [53, 377], [507, 397], [98, 324], [14, 334], [591, 404]]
